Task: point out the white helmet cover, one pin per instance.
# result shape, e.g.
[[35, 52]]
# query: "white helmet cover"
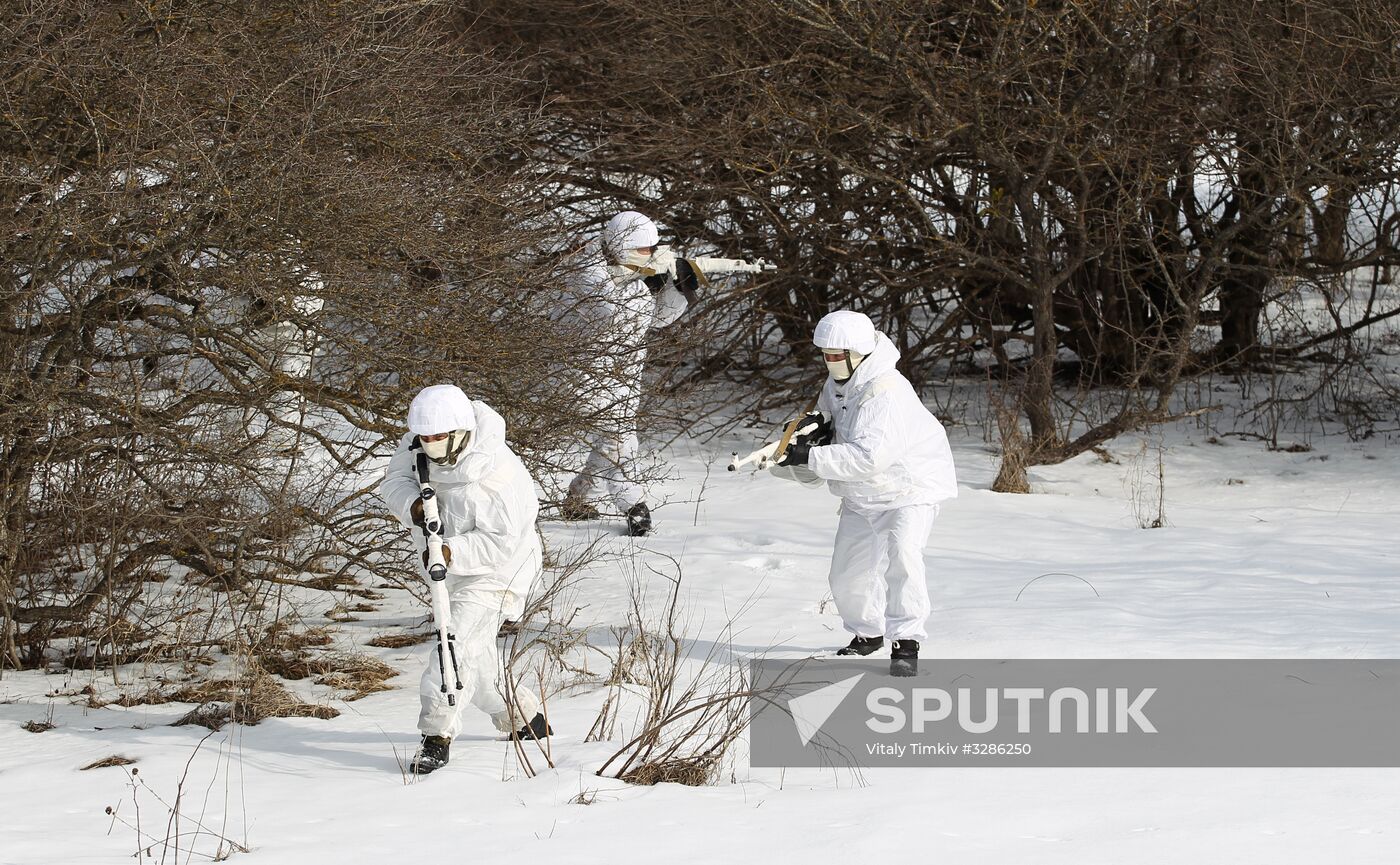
[[850, 333], [629, 230], [845, 329], [440, 408]]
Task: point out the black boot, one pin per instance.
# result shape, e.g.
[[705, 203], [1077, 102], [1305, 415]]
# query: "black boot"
[[638, 520], [862, 646], [904, 658], [432, 754], [536, 729]]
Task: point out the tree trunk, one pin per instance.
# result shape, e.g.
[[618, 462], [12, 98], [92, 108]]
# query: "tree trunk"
[[1011, 475], [1330, 246]]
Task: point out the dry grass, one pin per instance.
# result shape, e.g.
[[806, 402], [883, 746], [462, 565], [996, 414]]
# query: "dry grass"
[[151, 697], [281, 649], [114, 760], [340, 613], [692, 772], [357, 687], [37, 726], [259, 694], [248, 700], [281, 636], [285, 654], [293, 666], [361, 675], [400, 641]]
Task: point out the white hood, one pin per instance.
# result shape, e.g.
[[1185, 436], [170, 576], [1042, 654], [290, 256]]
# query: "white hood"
[[479, 458], [883, 359], [440, 408], [629, 230]]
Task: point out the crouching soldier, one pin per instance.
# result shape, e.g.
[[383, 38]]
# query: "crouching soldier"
[[487, 506]]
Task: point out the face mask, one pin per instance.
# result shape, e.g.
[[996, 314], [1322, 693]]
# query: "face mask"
[[661, 259], [635, 259], [843, 369], [445, 451]]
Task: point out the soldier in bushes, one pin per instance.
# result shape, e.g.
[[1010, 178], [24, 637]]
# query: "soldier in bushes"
[[629, 285], [616, 301]]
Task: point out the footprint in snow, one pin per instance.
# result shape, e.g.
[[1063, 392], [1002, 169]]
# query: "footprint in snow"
[[768, 563]]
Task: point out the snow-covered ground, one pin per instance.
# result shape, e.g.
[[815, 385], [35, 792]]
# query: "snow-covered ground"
[[1264, 553]]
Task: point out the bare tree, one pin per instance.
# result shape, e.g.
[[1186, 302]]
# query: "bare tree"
[[1045, 193], [235, 240]]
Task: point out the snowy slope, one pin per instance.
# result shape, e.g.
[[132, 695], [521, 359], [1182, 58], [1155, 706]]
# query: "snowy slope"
[[1298, 560]]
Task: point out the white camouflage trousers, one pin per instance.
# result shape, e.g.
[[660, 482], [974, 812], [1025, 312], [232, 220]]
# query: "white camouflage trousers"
[[612, 465], [877, 571], [476, 617]]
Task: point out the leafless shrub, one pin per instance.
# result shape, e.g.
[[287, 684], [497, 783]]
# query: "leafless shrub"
[[184, 833], [546, 647], [545, 651], [1147, 486], [690, 717], [236, 240], [1011, 473], [1058, 196]]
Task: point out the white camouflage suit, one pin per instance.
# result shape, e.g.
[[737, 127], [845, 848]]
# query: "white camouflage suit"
[[620, 315], [487, 504], [890, 463]]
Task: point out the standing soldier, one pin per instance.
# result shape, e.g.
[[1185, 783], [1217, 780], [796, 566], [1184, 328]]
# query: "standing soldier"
[[888, 459], [487, 507], [614, 301], [628, 286]]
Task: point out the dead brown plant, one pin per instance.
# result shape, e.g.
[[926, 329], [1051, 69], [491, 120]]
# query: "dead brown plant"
[[245, 700], [105, 762]]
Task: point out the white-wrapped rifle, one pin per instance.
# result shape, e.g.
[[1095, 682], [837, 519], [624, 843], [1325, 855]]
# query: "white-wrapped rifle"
[[436, 567], [773, 451], [688, 274]]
